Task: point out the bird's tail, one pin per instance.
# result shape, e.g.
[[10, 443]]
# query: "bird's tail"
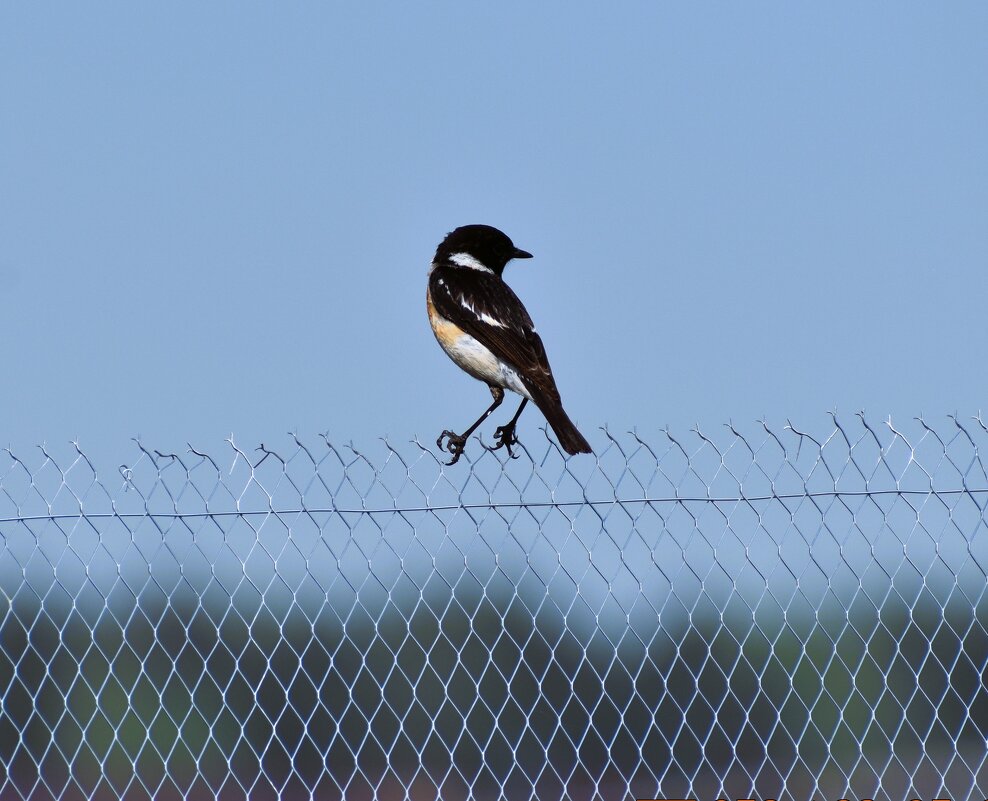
[[567, 433]]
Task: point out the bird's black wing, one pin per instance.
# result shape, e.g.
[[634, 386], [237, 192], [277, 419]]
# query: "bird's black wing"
[[485, 307]]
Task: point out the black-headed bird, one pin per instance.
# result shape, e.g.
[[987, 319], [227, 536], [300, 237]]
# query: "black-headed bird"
[[485, 329]]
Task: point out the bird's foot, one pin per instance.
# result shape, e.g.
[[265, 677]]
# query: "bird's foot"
[[455, 445], [505, 437]]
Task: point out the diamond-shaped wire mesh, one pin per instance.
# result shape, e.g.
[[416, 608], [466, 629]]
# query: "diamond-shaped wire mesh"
[[740, 613]]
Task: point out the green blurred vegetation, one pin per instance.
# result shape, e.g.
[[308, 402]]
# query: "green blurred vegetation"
[[181, 689]]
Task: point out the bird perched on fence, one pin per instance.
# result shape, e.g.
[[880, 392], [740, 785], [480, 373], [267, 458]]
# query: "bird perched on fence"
[[485, 329]]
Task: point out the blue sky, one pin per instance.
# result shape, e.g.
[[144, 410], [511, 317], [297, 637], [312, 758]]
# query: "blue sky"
[[218, 218]]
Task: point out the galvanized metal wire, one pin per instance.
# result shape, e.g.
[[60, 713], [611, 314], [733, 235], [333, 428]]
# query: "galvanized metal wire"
[[755, 611]]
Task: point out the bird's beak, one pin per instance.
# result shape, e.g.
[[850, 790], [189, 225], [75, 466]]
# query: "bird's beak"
[[521, 254]]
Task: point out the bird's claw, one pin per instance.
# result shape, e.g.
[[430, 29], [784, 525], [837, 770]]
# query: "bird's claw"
[[454, 445], [505, 437]]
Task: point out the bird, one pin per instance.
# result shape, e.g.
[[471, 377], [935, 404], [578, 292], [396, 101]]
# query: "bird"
[[486, 330]]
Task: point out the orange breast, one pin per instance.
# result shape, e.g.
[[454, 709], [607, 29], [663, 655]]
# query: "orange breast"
[[446, 332]]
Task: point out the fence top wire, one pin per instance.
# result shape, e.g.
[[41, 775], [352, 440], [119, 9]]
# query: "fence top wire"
[[851, 457]]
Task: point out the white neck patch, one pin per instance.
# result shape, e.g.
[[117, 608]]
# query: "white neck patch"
[[466, 260]]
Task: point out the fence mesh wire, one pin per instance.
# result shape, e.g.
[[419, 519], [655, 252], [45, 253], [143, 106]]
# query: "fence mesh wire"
[[740, 613]]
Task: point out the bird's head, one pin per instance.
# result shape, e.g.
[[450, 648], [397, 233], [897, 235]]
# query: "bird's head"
[[481, 247]]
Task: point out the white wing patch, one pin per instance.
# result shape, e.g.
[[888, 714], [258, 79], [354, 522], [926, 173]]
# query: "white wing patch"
[[466, 304], [491, 321]]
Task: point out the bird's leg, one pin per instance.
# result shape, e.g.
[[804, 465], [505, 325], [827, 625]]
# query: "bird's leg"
[[505, 435], [457, 442]]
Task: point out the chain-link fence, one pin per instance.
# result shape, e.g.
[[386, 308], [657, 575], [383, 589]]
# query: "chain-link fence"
[[754, 612]]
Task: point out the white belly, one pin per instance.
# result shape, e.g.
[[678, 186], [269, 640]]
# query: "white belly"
[[474, 357], [477, 360]]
